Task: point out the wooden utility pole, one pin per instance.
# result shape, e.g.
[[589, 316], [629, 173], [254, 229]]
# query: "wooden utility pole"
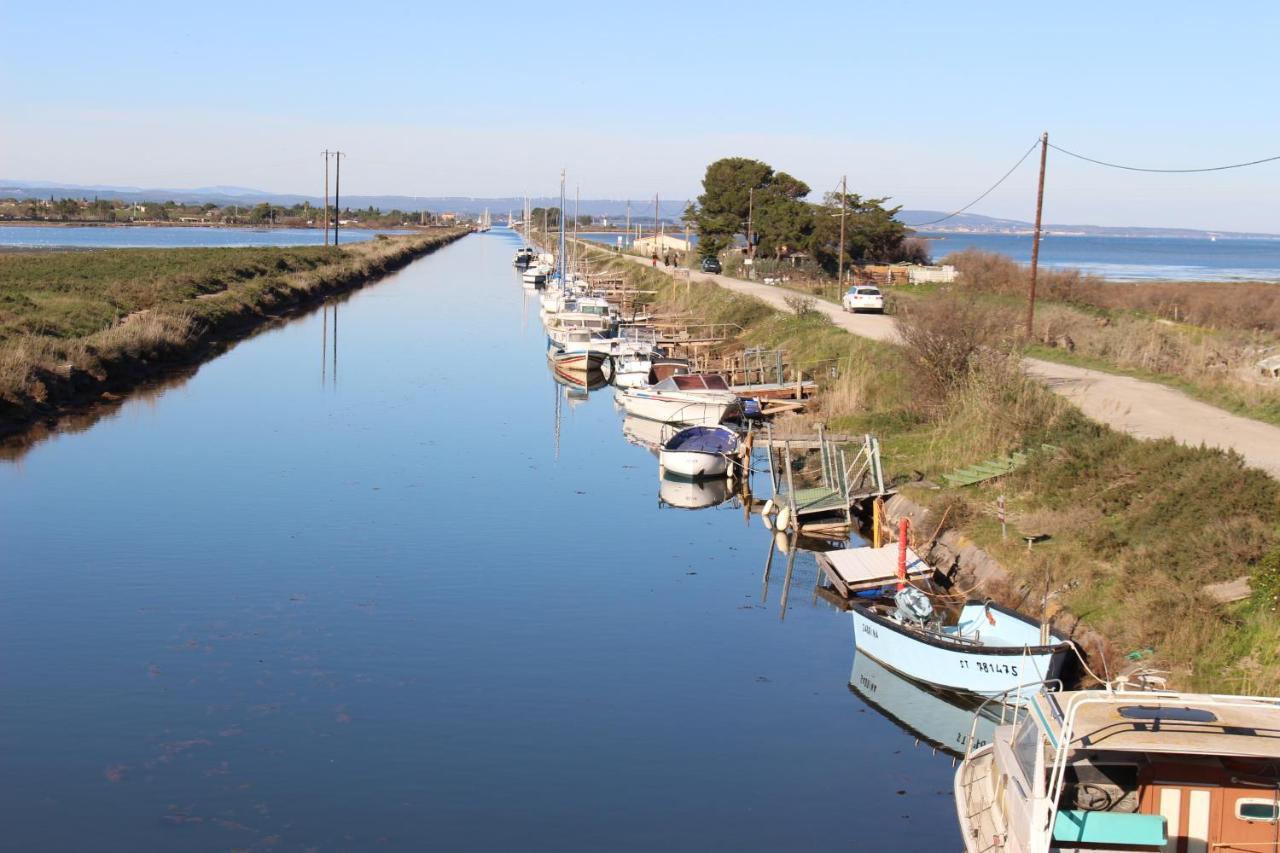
[[326, 196], [1035, 241], [628, 238], [844, 193], [655, 224], [337, 215]]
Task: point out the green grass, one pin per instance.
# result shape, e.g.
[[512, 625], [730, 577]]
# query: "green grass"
[[74, 294]]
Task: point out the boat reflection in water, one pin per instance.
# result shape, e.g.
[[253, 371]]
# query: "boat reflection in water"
[[682, 493], [942, 719], [646, 433], [591, 380]]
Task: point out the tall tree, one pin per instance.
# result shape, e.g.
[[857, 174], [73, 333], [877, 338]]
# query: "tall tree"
[[872, 231], [738, 189]]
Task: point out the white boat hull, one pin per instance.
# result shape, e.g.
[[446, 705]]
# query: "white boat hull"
[[987, 670], [693, 464], [693, 410]]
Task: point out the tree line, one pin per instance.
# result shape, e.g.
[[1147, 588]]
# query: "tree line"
[[747, 200]]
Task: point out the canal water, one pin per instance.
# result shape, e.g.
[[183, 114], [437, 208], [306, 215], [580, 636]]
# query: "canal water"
[[406, 596]]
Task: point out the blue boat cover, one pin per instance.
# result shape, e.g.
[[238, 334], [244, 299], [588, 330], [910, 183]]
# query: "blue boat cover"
[[703, 439]]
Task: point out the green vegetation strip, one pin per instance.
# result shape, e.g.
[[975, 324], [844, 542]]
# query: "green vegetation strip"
[[74, 325]]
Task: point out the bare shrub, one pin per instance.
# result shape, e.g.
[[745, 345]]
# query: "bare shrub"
[[800, 304], [944, 337]]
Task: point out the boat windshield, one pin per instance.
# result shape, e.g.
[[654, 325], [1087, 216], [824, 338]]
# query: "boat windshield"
[[700, 382]]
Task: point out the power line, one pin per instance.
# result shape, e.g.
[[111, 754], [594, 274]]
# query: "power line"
[[984, 195], [1165, 171]]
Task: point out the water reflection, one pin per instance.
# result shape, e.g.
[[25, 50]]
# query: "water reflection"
[[329, 345], [693, 494], [940, 718]]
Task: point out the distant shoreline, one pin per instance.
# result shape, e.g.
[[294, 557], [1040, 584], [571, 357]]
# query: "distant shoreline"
[[28, 223]]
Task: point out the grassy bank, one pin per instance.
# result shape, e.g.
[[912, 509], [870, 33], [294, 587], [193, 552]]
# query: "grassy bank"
[[77, 325], [1136, 529]]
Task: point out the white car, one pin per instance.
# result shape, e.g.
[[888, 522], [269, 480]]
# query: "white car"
[[863, 298]]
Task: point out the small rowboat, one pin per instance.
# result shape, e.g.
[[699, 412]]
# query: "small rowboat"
[[699, 451]]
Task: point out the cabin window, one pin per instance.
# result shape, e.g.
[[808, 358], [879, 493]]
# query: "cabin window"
[[1257, 809], [1025, 745]]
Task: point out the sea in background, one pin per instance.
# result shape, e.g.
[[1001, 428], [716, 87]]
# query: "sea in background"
[[169, 236], [1130, 258], [1113, 258]]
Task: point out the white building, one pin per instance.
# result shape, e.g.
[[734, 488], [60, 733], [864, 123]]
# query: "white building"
[[664, 243]]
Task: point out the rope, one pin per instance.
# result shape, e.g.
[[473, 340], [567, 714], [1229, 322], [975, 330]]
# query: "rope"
[[1161, 171], [981, 197]]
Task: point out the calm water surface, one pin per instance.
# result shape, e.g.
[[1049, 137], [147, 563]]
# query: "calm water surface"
[[170, 237], [426, 604]]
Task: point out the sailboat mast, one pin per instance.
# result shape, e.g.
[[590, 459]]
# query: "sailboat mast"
[[560, 257]]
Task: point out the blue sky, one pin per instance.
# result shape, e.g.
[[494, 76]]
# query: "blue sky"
[[925, 102]]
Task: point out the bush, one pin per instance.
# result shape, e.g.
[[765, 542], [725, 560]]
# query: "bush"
[[800, 304], [944, 338]]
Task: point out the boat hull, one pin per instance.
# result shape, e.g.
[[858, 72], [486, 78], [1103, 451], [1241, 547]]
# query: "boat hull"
[[693, 464], [929, 658], [658, 407], [579, 361]]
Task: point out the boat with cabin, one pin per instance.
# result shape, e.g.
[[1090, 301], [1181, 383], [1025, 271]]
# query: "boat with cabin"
[[1123, 769], [691, 398]]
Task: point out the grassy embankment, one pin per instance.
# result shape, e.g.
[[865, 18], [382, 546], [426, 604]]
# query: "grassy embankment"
[[1136, 528], [77, 325]]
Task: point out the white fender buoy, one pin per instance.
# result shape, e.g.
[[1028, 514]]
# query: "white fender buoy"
[[784, 518], [768, 508], [782, 542], [767, 520]]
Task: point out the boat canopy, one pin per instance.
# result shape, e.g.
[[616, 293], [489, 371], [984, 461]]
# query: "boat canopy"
[[1177, 723], [703, 439]]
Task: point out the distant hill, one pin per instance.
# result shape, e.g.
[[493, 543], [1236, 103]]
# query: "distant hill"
[[972, 223], [641, 210]]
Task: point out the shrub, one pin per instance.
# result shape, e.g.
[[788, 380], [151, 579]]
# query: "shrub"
[[944, 337]]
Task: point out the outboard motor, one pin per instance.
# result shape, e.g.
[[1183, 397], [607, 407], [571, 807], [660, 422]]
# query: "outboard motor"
[[914, 607]]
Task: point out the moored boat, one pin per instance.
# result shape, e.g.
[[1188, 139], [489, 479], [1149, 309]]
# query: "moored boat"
[[693, 399], [699, 451], [1120, 769], [988, 649]]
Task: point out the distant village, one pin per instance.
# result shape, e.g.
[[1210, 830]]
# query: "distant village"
[[114, 211]]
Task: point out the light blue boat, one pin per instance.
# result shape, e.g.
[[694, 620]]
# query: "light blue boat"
[[989, 650]]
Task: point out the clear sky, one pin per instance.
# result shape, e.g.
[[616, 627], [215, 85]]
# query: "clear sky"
[[927, 102]]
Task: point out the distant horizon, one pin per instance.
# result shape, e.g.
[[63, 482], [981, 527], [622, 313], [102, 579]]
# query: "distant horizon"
[[639, 203]]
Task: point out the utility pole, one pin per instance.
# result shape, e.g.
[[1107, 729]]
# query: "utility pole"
[[655, 224], [1035, 242], [688, 247], [326, 196], [628, 220], [844, 194], [337, 214], [751, 246]]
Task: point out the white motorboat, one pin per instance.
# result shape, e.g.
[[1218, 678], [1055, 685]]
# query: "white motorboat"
[[535, 276], [694, 399], [699, 451]]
